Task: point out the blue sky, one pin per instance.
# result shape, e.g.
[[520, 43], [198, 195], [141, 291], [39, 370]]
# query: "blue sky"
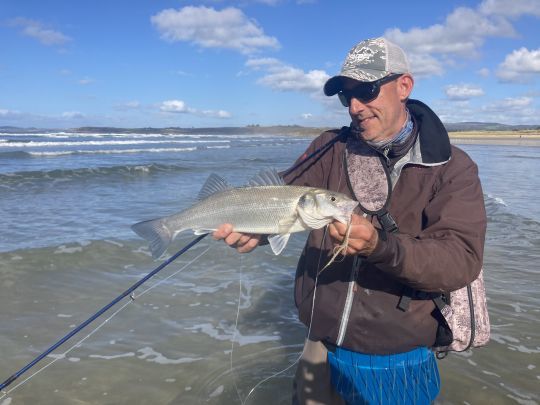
[[233, 63]]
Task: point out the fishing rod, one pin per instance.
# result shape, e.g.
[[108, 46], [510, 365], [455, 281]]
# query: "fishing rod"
[[101, 311], [129, 291]]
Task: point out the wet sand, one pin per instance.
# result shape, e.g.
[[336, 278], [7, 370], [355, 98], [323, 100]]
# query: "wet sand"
[[518, 138]]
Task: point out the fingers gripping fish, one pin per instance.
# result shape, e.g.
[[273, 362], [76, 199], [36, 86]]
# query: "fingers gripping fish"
[[264, 206]]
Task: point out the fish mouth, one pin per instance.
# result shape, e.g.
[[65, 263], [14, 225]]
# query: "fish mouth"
[[346, 209]]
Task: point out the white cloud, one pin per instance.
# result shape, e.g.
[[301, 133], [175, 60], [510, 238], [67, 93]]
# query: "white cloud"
[[86, 81], [459, 37], [515, 8], [425, 65], [5, 113], [514, 102], [34, 29], [175, 106], [133, 104], [229, 28], [515, 110], [463, 91], [283, 77], [216, 114], [307, 116], [180, 107], [484, 72], [72, 115], [520, 65]]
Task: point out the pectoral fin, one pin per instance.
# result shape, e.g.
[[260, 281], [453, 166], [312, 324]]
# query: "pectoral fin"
[[278, 242], [311, 221]]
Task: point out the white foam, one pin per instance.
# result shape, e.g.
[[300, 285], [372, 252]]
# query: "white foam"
[[64, 249], [210, 330], [117, 356], [110, 151], [149, 354], [210, 290], [218, 391], [491, 373], [38, 144], [112, 242]]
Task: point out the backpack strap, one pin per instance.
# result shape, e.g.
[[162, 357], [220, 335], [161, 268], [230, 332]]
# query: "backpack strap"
[[388, 224]]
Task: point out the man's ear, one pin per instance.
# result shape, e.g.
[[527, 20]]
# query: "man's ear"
[[405, 85]]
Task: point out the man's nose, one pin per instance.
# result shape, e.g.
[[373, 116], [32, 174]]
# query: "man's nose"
[[356, 106]]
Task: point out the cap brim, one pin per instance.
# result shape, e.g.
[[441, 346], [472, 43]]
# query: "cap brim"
[[333, 85]]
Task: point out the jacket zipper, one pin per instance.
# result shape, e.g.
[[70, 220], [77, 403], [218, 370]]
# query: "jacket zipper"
[[345, 315], [385, 153], [348, 301]]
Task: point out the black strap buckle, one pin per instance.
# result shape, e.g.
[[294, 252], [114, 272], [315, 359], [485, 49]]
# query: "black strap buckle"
[[387, 222]]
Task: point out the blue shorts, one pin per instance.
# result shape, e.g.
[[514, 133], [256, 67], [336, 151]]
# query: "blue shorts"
[[404, 378]]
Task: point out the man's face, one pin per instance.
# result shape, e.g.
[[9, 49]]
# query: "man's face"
[[382, 118]]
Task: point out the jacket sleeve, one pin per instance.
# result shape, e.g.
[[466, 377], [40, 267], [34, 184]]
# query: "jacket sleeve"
[[447, 254]]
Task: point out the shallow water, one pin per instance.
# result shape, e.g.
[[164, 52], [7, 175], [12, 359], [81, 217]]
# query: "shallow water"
[[66, 250]]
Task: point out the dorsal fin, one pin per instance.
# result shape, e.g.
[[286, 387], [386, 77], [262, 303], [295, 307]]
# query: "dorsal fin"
[[269, 177], [213, 184]]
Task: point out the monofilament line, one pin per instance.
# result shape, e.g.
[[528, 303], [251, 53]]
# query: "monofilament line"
[[308, 331], [79, 343], [236, 328]]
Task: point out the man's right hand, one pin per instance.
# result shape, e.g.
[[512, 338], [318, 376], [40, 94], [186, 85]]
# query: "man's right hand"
[[242, 242]]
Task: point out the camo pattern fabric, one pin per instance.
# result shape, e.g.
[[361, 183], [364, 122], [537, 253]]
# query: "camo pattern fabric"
[[458, 317], [369, 55], [366, 175]]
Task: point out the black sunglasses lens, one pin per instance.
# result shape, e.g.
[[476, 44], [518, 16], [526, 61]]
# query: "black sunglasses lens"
[[365, 93]]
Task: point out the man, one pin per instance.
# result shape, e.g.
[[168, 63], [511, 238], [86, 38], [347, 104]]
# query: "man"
[[419, 232]]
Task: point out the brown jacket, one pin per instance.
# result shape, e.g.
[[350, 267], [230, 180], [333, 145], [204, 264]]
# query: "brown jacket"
[[437, 203]]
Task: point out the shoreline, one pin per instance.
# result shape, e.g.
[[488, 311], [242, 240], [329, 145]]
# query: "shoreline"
[[513, 138]]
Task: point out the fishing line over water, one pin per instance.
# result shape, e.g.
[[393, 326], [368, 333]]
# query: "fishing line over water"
[[129, 292]]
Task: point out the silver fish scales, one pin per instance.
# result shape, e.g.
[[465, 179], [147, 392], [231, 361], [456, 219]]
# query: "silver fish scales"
[[265, 206]]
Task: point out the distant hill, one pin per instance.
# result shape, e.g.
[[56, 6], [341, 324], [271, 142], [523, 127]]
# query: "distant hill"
[[250, 129], [294, 130], [486, 126]]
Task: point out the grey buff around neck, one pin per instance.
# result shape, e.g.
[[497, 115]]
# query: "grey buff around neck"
[[366, 175]]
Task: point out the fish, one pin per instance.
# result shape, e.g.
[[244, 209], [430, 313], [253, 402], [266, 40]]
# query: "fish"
[[265, 205]]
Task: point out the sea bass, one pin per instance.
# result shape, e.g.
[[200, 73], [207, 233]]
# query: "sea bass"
[[264, 206]]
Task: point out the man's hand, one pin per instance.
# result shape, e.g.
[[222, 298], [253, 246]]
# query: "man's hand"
[[242, 242], [363, 237]]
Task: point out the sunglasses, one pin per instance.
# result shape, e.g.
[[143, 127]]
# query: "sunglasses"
[[365, 92]]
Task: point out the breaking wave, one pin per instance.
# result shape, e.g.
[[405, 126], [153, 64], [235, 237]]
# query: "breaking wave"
[[129, 170]]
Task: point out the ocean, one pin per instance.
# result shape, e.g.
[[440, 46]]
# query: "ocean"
[[213, 327]]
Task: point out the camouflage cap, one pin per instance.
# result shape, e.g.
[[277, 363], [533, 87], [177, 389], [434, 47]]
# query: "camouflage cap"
[[368, 61]]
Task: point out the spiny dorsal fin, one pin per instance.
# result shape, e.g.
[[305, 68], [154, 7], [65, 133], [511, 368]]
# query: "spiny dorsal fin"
[[269, 177], [213, 184]]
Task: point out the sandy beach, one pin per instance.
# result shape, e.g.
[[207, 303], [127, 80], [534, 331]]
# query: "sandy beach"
[[517, 138]]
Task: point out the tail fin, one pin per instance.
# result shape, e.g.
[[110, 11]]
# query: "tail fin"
[[156, 233]]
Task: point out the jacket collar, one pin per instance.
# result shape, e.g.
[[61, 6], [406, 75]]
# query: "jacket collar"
[[432, 146]]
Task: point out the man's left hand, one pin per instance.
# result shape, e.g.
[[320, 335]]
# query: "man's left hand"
[[363, 237]]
